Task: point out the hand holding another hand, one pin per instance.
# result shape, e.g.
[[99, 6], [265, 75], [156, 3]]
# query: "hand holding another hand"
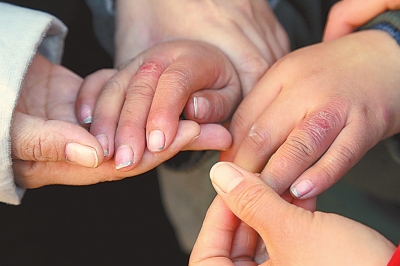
[[48, 144], [250, 224]]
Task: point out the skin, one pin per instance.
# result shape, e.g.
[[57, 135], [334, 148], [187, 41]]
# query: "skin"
[[347, 15], [45, 124], [246, 31], [155, 88], [248, 212], [317, 111]]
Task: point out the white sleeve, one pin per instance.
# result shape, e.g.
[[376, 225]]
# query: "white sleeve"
[[23, 32]]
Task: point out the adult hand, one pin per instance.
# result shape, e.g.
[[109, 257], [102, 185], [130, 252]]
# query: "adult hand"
[[145, 98], [250, 224], [49, 146], [247, 31], [318, 111], [347, 15]]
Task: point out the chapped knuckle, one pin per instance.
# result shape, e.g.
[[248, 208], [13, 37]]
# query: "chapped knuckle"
[[248, 201]]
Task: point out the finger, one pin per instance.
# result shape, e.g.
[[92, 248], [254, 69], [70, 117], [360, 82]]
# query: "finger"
[[213, 106], [130, 137], [206, 68], [274, 34], [303, 146], [37, 174], [341, 156], [212, 137], [34, 139], [255, 103], [253, 201], [107, 111], [345, 16], [88, 93], [214, 242]]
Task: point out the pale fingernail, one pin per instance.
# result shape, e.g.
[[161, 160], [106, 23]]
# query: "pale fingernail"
[[123, 157], [86, 114], [225, 177], [102, 138], [302, 188], [81, 155], [156, 141], [201, 107]]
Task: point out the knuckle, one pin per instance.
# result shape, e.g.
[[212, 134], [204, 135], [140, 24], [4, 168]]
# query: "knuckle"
[[343, 159], [112, 86], [140, 92], [310, 140], [300, 148], [180, 78], [258, 138], [254, 66]]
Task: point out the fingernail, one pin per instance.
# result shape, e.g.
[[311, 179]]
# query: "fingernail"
[[81, 155], [201, 107], [302, 188], [123, 157], [102, 138], [86, 114], [156, 141], [225, 177]]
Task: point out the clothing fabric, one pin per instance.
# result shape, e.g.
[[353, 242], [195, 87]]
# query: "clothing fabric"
[[37, 31]]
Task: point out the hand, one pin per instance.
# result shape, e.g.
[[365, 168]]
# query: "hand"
[[318, 111], [258, 227], [49, 146], [145, 98], [347, 15], [247, 31]]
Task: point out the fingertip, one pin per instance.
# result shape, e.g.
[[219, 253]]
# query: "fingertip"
[[85, 114], [301, 188], [225, 177], [81, 155]]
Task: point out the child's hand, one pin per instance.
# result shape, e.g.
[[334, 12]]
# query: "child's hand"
[[142, 102], [318, 111]]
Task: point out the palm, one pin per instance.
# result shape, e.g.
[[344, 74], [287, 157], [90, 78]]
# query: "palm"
[[49, 92]]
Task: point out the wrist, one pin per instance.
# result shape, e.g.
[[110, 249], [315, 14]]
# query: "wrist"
[[388, 22], [133, 28]]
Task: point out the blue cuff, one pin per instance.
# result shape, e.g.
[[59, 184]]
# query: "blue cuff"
[[387, 27]]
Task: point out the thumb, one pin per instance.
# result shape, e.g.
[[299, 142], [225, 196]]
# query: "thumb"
[[36, 139], [250, 198]]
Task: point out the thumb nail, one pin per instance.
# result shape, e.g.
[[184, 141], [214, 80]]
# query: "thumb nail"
[[81, 155], [225, 176]]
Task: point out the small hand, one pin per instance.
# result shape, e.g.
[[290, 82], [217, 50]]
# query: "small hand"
[[142, 102], [317, 112]]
